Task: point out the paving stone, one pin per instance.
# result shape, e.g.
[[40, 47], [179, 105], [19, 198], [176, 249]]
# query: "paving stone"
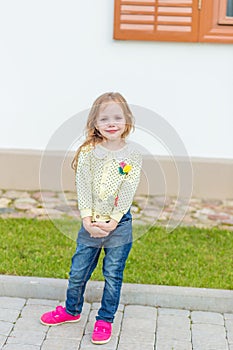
[[12, 303], [60, 344], [153, 209], [67, 195], [174, 345], [13, 194], [48, 200], [227, 222], [4, 202], [174, 312], [28, 200], [136, 325], [209, 336], [3, 339], [140, 312], [207, 317], [135, 346], [219, 217], [44, 302], [9, 315], [31, 324], [86, 344], [20, 347], [4, 212], [174, 333], [43, 194], [5, 328], [142, 337], [35, 311], [229, 329], [171, 321], [23, 206], [26, 338], [66, 331]]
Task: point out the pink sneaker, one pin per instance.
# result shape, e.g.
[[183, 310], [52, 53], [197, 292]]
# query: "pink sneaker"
[[58, 316], [102, 332]]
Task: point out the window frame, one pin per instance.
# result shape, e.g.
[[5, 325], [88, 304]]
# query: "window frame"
[[223, 18], [210, 23], [210, 28]]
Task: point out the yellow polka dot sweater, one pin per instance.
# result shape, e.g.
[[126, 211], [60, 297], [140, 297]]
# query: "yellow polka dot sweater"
[[106, 181]]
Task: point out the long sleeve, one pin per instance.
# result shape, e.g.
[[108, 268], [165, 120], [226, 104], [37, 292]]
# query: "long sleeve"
[[84, 182], [128, 187]]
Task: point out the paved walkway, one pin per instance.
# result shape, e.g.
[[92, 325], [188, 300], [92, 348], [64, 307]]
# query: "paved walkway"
[[135, 328], [146, 210]]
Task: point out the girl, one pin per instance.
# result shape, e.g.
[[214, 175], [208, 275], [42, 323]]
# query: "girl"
[[107, 175]]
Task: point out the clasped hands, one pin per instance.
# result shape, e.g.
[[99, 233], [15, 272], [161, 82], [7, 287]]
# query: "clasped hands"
[[99, 229]]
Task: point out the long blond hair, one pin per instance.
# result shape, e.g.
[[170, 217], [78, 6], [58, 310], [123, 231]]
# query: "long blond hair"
[[93, 136]]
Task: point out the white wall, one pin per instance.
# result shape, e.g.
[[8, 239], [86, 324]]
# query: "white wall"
[[58, 56]]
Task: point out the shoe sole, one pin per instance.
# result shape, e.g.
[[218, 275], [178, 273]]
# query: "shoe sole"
[[57, 324], [100, 342]]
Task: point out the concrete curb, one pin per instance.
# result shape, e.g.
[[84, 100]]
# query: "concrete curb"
[[202, 299]]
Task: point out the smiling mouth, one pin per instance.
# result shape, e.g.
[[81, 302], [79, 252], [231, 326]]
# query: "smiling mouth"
[[111, 131]]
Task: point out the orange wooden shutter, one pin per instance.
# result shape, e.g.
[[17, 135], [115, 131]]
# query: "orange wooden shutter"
[[160, 20]]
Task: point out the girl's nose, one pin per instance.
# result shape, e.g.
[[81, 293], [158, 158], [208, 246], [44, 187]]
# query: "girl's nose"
[[111, 123]]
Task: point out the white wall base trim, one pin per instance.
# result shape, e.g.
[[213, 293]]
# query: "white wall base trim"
[[32, 170]]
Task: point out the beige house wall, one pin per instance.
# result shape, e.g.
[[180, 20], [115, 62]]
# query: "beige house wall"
[[21, 169]]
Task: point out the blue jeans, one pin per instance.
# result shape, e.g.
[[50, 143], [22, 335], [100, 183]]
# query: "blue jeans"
[[84, 262]]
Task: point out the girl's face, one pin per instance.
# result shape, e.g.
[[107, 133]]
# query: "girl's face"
[[111, 121]]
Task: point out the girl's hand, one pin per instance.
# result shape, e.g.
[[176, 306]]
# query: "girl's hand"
[[106, 226], [94, 231]]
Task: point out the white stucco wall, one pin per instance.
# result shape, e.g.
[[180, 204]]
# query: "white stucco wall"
[[58, 56]]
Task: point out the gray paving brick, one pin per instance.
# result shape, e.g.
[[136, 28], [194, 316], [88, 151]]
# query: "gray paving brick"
[[140, 312], [134, 346], [207, 317], [173, 344], [5, 328], [9, 315], [35, 311], [60, 344], [229, 330], [26, 337], [30, 324], [228, 316], [174, 312], [12, 303], [3, 339], [173, 330], [86, 344], [209, 336], [47, 302], [127, 337], [173, 334], [67, 331], [169, 321], [20, 347], [136, 324]]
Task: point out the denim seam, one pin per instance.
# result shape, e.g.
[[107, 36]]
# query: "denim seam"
[[85, 277]]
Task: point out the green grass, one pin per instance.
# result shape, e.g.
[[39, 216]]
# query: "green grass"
[[186, 257]]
